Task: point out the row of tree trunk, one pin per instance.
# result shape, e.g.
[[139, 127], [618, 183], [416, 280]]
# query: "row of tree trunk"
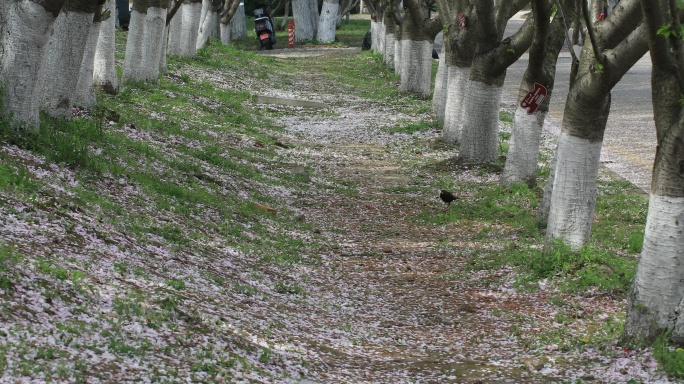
[[54, 53], [467, 95]]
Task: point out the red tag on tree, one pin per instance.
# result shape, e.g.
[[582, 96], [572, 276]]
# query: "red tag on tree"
[[534, 98]]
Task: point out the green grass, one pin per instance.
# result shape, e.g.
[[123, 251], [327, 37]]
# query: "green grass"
[[413, 127], [670, 358]]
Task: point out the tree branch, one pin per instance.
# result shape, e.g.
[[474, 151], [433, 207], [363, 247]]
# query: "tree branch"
[[591, 33]]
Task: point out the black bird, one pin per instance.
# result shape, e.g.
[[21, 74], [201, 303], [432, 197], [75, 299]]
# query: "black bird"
[[447, 197]]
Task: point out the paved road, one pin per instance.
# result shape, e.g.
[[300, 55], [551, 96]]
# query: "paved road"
[[630, 139]]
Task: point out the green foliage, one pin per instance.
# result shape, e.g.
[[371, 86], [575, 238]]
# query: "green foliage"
[[17, 178], [670, 359], [176, 284], [668, 30], [581, 269], [506, 117], [61, 141], [413, 127]]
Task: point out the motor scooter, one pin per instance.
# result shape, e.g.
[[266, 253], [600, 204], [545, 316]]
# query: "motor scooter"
[[264, 29]]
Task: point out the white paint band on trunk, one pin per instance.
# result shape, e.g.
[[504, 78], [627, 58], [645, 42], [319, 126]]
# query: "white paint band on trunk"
[[659, 276], [574, 190]]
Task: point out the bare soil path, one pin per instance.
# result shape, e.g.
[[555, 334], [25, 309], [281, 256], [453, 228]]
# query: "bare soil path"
[[396, 298]]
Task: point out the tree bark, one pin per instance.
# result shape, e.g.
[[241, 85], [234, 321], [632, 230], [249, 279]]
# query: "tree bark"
[[480, 133], [656, 300], [85, 89], [104, 73], [521, 162], [26, 30], [65, 54], [328, 21], [573, 197], [459, 50], [440, 92], [238, 26], [144, 46], [190, 27], [304, 29], [418, 33], [209, 26]]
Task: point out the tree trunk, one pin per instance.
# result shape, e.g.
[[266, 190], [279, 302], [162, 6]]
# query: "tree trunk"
[[459, 50], [398, 59], [145, 40], [209, 27], [85, 89], [313, 14], [328, 21], [573, 197], [304, 29], [523, 151], [65, 54], [175, 31], [238, 25], [189, 28], [26, 29], [416, 52], [480, 131], [480, 134], [458, 79], [440, 92], [104, 73], [375, 33], [574, 189], [656, 300], [390, 39]]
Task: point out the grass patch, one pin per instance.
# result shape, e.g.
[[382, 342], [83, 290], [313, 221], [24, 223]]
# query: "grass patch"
[[670, 358]]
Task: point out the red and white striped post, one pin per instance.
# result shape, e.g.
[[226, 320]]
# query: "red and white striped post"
[[290, 34]]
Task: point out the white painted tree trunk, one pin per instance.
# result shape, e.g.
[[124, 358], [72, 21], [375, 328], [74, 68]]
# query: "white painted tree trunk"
[[416, 70], [206, 4], [328, 21], [209, 29], [480, 134], [24, 46], [381, 38], [657, 288], [104, 73], [63, 61], [398, 58], [574, 190], [545, 206], [134, 47], [225, 33], [439, 95], [144, 47], [175, 34], [523, 148], [238, 24], [457, 88], [153, 45], [162, 59], [189, 29], [390, 44], [313, 14], [375, 33], [304, 29], [85, 89]]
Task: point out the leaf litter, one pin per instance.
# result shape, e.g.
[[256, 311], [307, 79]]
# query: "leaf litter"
[[376, 298]]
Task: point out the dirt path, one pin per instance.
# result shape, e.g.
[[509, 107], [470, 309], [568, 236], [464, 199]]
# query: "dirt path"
[[396, 299]]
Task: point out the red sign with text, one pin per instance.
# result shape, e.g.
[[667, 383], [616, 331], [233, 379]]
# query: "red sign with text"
[[534, 98]]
